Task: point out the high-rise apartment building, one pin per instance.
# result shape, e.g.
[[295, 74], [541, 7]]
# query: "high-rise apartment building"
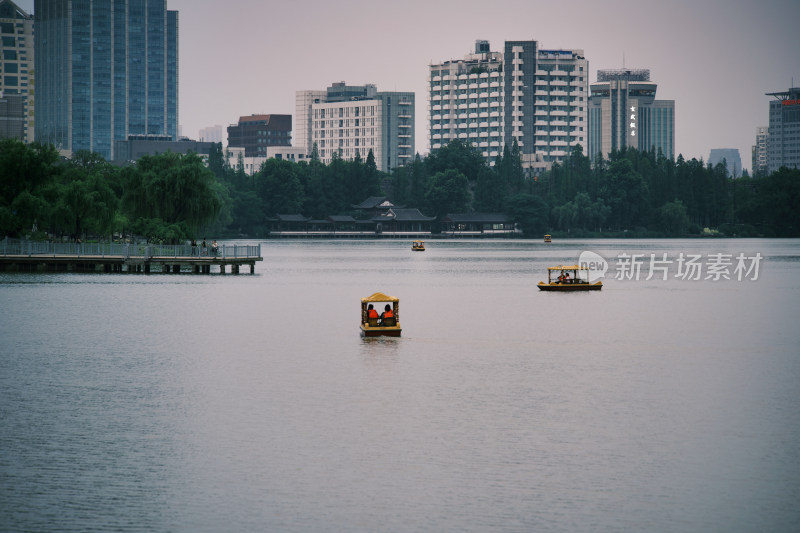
[[783, 143], [533, 96], [624, 112], [759, 152], [350, 120], [256, 132], [106, 70], [16, 72]]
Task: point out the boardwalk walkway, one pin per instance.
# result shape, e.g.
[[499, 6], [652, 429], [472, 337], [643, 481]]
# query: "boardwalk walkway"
[[29, 256]]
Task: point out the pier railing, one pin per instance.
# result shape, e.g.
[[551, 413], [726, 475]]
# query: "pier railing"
[[127, 250]]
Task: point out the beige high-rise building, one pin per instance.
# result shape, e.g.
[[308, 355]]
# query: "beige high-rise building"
[[349, 121], [16, 73], [535, 97]]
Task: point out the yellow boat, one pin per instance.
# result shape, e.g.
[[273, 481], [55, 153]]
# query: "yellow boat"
[[418, 246], [548, 238], [578, 280], [380, 326]]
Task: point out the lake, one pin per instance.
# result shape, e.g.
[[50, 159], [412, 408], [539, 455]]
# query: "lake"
[[240, 403]]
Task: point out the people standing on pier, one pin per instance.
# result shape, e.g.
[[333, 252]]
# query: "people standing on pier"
[[204, 247], [214, 248], [194, 247]]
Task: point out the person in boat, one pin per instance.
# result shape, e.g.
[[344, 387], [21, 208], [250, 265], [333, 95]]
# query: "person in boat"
[[387, 313], [371, 312], [561, 277], [567, 279]]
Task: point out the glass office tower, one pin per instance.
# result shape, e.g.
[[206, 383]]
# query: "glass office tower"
[[624, 112], [106, 70]]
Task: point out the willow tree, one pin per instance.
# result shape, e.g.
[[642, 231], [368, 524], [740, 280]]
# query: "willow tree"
[[173, 188]]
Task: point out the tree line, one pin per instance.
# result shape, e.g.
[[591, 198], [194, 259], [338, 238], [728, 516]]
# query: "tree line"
[[171, 197]]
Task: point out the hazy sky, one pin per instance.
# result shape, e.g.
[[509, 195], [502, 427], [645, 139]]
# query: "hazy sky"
[[715, 58]]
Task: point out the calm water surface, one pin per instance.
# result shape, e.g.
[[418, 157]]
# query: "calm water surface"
[[178, 403]]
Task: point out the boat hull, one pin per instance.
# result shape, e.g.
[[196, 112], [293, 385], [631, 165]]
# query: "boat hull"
[[380, 331], [570, 287]]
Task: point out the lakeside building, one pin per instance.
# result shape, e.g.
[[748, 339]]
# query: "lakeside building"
[[783, 141], [235, 156], [16, 73], [624, 112], [256, 133], [733, 161], [348, 121], [105, 70], [535, 97], [759, 152]]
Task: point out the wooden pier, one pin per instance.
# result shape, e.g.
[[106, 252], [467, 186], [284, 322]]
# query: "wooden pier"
[[27, 256]]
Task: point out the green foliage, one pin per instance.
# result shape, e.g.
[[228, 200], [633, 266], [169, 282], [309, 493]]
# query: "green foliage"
[[458, 156], [448, 192], [171, 197], [278, 187], [673, 218], [530, 213], [172, 188]]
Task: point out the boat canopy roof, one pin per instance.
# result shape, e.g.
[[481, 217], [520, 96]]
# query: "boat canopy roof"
[[379, 297], [568, 267]]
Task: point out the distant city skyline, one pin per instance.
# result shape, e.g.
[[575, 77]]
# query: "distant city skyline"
[[717, 59]]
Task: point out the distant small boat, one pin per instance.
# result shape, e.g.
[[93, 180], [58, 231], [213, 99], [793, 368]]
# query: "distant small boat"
[[547, 238], [418, 246], [578, 281], [387, 324]]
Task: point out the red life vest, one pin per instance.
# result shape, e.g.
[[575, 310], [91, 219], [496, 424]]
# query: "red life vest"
[[373, 313], [388, 314]]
